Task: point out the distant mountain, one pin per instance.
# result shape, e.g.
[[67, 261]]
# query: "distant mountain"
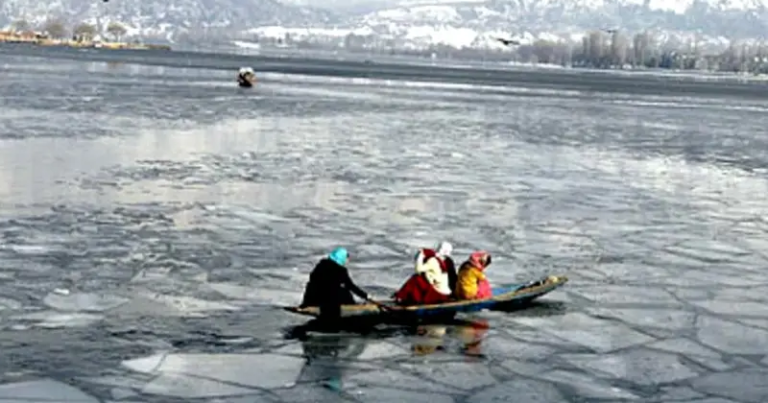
[[730, 18], [165, 17], [426, 24], [410, 23]]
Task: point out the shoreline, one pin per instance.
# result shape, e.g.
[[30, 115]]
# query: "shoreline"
[[38, 40], [349, 66]]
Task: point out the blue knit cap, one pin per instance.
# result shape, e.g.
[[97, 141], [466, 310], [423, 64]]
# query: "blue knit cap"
[[339, 255]]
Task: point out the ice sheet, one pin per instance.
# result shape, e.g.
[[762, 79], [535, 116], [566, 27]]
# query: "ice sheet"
[[232, 371], [43, 390]]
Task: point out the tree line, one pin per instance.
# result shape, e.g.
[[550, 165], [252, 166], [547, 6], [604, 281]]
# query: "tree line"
[[58, 29], [615, 50], [597, 49]]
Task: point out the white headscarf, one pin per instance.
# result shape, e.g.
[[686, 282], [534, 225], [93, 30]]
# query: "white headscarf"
[[444, 249]]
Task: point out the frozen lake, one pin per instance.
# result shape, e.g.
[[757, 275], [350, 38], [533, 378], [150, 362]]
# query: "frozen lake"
[[151, 218]]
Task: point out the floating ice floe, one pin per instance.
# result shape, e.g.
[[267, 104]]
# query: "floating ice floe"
[[53, 319], [586, 386], [44, 390], [669, 319], [404, 381], [392, 394], [381, 350], [742, 294], [474, 375], [694, 351], [578, 328], [503, 348], [83, 302], [7, 303], [745, 308], [678, 393], [167, 305], [27, 249], [746, 385], [711, 278], [214, 375], [617, 294], [519, 390], [731, 337], [261, 295], [642, 367]]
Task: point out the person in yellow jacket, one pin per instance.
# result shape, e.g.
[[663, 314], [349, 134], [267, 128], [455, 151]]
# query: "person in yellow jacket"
[[472, 283]]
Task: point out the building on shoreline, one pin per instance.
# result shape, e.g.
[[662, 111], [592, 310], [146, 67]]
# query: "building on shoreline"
[[42, 39]]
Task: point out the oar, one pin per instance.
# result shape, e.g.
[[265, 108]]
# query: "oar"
[[384, 307]]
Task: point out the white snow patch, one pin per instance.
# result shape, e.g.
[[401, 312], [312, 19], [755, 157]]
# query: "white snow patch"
[[44, 390], [83, 302], [52, 319], [209, 375]]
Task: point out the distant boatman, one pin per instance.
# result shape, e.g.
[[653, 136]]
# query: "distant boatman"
[[246, 78]]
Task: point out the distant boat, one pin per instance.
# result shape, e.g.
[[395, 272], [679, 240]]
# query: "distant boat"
[[246, 78]]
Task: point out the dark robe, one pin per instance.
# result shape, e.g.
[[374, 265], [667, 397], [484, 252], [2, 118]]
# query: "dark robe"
[[418, 291], [244, 80], [453, 277], [329, 288]]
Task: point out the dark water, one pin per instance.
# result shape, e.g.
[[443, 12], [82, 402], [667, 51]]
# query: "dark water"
[[152, 217]]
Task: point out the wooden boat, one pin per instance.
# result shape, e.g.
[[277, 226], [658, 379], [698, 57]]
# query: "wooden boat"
[[504, 297]]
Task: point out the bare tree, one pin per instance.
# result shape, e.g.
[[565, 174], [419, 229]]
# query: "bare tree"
[[640, 47], [84, 32], [55, 29], [545, 51], [597, 48], [117, 30], [618, 49], [21, 25]]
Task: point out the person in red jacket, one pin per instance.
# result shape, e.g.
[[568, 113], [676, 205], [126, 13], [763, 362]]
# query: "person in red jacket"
[[425, 286]]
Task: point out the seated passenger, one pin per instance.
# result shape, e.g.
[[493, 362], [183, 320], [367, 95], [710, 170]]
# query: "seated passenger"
[[472, 283], [444, 251], [429, 285], [434, 269], [418, 291], [330, 287]]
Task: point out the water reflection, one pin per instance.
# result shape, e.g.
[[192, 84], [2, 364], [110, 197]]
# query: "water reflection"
[[431, 338], [435, 337], [329, 351], [328, 357], [472, 335]]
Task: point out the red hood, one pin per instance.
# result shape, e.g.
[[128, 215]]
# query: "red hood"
[[430, 253]]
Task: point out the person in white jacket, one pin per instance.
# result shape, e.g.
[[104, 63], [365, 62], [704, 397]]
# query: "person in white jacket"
[[444, 251], [433, 268]]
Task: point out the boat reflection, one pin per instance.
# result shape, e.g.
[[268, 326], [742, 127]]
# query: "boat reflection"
[[330, 351], [430, 338], [468, 334], [328, 357], [114, 65]]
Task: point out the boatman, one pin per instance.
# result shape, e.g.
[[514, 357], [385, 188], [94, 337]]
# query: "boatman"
[[330, 286]]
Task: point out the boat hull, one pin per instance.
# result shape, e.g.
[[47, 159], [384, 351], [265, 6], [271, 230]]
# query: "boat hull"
[[504, 297]]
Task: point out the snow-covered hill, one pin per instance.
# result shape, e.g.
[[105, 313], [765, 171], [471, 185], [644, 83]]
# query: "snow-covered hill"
[[741, 18], [164, 18], [407, 23], [475, 23]]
